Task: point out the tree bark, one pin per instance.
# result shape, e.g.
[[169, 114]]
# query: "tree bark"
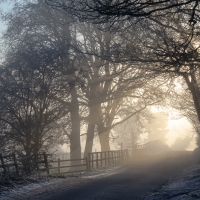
[[104, 140], [75, 143], [91, 129]]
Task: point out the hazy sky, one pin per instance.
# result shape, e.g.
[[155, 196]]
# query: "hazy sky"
[[3, 7]]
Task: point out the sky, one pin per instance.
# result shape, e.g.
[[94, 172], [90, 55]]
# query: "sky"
[[3, 7]]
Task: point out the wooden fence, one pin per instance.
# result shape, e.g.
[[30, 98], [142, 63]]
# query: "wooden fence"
[[106, 158], [56, 166], [11, 162], [45, 162]]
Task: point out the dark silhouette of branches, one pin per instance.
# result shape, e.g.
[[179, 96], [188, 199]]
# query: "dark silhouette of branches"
[[113, 11]]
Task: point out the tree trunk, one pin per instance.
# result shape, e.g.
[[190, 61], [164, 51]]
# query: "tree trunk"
[[75, 143], [104, 140], [194, 95], [104, 124], [90, 132]]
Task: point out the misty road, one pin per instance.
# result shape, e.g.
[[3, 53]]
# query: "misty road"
[[136, 181]]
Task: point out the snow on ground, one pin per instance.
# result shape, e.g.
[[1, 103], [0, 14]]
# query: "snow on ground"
[[38, 188], [102, 172], [186, 186]]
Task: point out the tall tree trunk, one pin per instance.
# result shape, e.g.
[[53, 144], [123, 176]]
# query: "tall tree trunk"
[[104, 124], [75, 143], [193, 91], [91, 129], [104, 140]]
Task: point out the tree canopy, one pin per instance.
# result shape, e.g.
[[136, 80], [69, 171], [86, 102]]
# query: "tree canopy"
[[115, 11]]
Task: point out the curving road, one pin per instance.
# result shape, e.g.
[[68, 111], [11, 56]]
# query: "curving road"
[[135, 182]]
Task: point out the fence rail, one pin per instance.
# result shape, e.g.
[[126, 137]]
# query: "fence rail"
[[58, 168], [43, 162], [106, 158]]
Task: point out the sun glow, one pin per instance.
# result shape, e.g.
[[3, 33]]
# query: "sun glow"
[[181, 129]]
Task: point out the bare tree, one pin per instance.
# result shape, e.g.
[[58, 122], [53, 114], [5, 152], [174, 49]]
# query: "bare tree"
[[29, 87], [109, 84], [130, 131], [36, 22], [178, 55]]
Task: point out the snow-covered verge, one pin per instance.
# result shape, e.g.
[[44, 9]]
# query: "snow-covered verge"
[[37, 188], [186, 186], [40, 188]]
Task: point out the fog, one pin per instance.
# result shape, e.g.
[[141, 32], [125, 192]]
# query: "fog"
[[75, 81]]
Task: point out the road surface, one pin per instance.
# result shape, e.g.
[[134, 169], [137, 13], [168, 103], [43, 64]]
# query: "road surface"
[[138, 179]]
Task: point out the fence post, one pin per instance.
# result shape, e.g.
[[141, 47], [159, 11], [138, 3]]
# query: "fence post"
[[97, 159], [46, 162], [125, 155], [2, 163], [124, 152], [120, 156], [101, 160], [112, 157], [105, 159], [59, 166], [86, 162], [109, 158], [15, 163], [92, 161], [89, 161]]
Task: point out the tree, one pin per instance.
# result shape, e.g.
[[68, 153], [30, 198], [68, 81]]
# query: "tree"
[[180, 99], [29, 81], [36, 22], [167, 41], [129, 132], [114, 12], [180, 55], [109, 84], [172, 52]]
